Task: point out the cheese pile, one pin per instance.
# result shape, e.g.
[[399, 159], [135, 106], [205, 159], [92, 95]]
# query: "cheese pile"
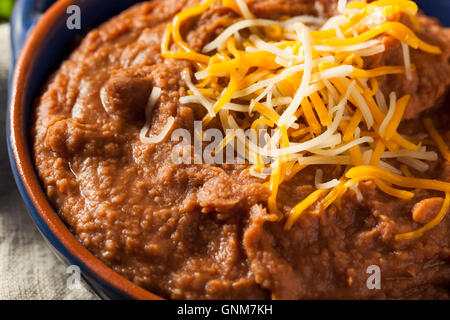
[[305, 77]]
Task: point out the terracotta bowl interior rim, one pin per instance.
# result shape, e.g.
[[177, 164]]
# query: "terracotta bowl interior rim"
[[25, 167]]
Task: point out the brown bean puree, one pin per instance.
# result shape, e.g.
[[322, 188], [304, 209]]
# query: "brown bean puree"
[[203, 231]]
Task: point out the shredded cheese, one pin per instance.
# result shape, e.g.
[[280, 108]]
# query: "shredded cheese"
[[152, 100], [306, 78], [396, 117], [302, 206], [430, 225], [324, 185], [385, 175], [390, 113], [407, 60], [438, 140]]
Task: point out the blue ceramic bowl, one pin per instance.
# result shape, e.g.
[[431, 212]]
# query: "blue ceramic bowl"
[[39, 43], [436, 8]]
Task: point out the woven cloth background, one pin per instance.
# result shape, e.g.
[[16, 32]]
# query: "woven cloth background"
[[28, 268]]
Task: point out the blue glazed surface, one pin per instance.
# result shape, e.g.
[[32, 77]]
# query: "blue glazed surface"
[[25, 16], [436, 8], [93, 12]]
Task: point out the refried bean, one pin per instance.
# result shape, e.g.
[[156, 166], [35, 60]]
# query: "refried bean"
[[187, 231]]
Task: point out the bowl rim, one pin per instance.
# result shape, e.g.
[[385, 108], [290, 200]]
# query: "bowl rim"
[[21, 158]]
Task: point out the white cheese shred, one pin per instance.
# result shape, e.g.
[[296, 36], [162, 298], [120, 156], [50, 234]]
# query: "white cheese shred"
[[390, 113], [152, 100], [407, 60]]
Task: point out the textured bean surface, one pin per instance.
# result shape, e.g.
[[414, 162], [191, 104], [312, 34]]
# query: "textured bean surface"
[[203, 231]]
